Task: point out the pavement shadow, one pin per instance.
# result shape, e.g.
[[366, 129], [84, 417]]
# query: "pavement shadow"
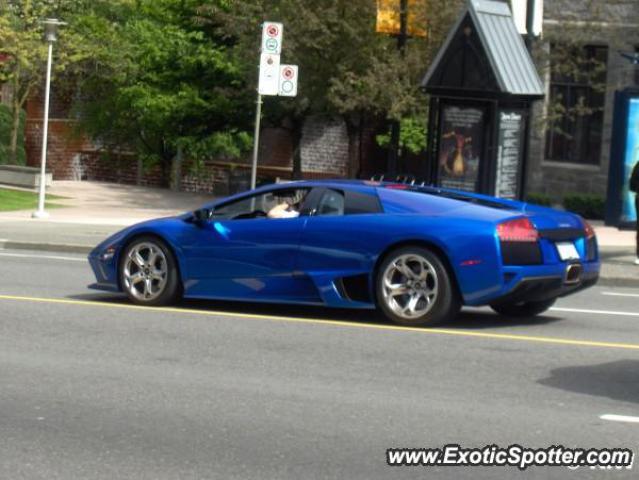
[[474, 320], [617, 380], [466, 320]]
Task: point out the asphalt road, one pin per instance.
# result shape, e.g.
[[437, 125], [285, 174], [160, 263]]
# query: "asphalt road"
[[91, 388]]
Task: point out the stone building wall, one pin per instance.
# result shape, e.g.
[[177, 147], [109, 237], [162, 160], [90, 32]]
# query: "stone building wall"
[[596, 22]]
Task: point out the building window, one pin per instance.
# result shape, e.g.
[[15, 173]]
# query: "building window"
[[576, 104]]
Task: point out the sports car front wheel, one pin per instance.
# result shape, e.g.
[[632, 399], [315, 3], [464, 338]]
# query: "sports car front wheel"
[[523, 309], [414, 288], [148, 272]]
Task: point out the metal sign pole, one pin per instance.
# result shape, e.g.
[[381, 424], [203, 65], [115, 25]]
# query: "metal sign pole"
[[256, 140]]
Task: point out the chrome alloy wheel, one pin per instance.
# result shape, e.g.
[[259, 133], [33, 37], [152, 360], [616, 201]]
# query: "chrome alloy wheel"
[[145, 271], [410, 286]]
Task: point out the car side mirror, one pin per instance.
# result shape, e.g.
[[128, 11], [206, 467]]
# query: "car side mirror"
[[202, 215]]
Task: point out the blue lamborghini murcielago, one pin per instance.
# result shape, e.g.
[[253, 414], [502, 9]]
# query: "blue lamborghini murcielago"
[[417, 253]]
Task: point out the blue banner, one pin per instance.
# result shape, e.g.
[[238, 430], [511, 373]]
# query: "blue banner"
[[631, 157]]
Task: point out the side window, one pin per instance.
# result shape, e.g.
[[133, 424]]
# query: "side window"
[[260, 206], [359, 203], [331, 204], [334, 202]]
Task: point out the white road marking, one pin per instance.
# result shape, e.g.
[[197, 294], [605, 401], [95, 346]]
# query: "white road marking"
[[596, 312], [615, 294], [619, 418], [49, 257]]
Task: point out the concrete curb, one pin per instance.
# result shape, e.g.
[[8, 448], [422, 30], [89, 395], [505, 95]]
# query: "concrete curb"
[[621, 282], [47, 247], [606, 281]]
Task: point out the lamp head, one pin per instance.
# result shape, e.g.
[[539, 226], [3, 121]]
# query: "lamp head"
[[51, 29]]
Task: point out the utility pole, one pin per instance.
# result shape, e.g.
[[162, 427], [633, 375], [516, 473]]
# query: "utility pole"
[[394, 147], [530, 22]]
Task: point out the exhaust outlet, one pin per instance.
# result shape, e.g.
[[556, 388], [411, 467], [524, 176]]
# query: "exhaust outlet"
[[573, 273]]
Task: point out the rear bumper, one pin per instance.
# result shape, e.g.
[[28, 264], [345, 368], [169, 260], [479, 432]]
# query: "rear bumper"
[[533, 289], [539, 282]]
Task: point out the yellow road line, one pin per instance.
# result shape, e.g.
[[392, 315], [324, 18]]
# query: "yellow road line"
[[339, 323]]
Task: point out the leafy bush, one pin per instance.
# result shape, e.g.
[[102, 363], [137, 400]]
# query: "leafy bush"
[[588, 206], [539, 199], [412, 135], [6, 120]]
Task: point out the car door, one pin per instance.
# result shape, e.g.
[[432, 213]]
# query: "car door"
[[341, 233], [241, 253]]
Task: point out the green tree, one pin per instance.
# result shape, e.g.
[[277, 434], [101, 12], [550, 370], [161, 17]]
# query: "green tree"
[[346, 68], [6, 126], [25, 53], [23, 46], [158, 83]]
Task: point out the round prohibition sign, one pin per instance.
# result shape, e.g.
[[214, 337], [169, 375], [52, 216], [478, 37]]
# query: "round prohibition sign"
[[272, 31], [271, 44], [287, 86], [288, 73]]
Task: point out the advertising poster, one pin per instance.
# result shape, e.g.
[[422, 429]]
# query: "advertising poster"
[[509, 153], [460, 147], [631, 157]]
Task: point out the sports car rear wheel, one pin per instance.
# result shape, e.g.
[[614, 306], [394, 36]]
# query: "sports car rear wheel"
[[523, 309], [414, 288], [148, 272]]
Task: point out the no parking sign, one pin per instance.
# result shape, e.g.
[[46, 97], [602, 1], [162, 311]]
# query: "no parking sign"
[[288, 80], [272, 38]]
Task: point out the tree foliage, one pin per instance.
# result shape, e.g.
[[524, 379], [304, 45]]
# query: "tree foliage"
[[24, 54], [158, 76], [156, 82], [346, 68], [6, 132]]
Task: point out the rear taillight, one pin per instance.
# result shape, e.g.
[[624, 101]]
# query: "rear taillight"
[[517, 230], [590, 232]]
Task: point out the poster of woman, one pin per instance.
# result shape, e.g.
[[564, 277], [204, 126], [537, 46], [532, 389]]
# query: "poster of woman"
[[461, 142]]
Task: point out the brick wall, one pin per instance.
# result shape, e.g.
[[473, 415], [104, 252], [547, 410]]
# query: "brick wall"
[[325, 146], [324, 150], [120, 168], [63, 146]]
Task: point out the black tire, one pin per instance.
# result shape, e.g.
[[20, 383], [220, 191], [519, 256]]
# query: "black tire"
[[523, 309], [164, 292], [445, 304]]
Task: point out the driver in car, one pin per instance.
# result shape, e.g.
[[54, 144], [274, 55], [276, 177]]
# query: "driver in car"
[[283, 210], [287, 208]]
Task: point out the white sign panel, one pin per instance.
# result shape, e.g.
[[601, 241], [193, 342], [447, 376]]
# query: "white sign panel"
[[288, 80], [519, 9], [272, 37], [269, 74]]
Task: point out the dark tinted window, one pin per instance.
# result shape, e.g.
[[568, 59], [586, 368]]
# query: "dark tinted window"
[[358, 203], [337, 202], [331, 203]]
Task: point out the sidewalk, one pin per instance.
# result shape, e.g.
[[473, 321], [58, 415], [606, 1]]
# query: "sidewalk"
[[96, 210], [96, 203]]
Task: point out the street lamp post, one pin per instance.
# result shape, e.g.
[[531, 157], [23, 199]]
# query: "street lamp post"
[[51, 36]]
